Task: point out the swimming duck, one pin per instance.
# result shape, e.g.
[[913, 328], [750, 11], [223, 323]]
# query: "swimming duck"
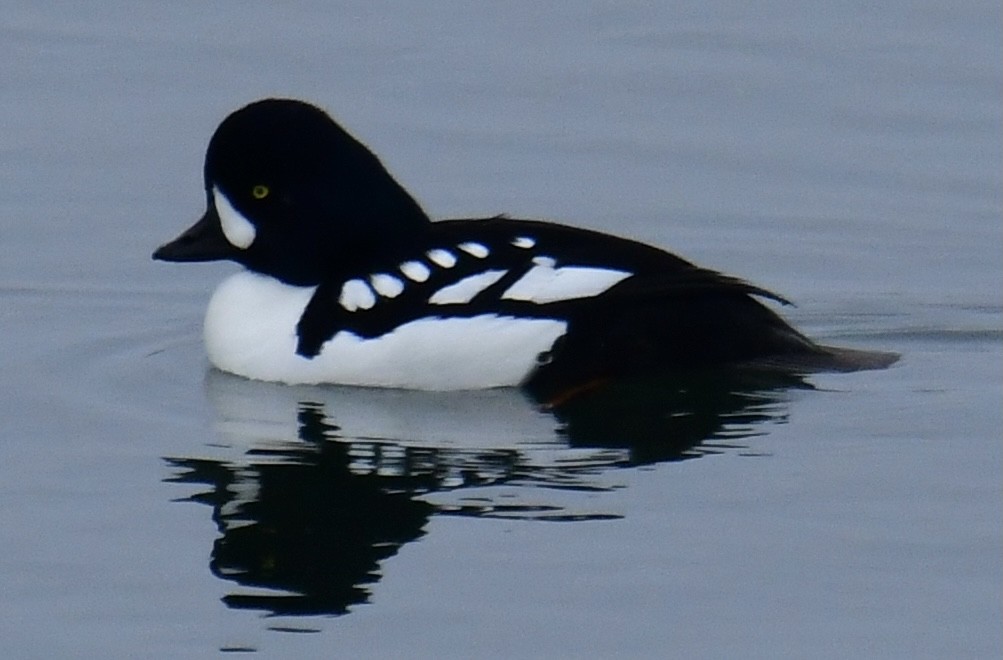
[[347, 280]]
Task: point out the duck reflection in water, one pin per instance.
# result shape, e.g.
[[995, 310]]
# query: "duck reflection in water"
[[307, 512]]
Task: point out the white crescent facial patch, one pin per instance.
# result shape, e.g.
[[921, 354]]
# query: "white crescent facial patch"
[[238, 230]]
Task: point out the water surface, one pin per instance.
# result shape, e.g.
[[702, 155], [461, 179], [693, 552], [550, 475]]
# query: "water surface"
[[847, 157]]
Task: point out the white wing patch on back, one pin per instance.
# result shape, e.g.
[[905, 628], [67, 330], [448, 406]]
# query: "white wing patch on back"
[[386, 285], [356, 294], [545, 283], [524, 242], [239, 231], [465, 290], [415, 271], [441, 258]]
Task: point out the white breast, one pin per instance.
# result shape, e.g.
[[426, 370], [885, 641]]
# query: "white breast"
[[250, 330]]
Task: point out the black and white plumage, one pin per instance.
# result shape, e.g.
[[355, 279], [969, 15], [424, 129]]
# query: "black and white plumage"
[[348, 281]]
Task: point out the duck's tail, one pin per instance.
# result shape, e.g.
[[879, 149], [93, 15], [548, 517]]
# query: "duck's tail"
[[827, 358]]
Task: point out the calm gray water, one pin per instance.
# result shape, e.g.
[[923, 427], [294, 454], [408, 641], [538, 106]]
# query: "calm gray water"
[[843, 154]]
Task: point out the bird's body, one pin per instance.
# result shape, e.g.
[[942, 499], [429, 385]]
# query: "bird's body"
[[348, 281]]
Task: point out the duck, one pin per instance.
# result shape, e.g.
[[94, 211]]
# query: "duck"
[[346, 280]]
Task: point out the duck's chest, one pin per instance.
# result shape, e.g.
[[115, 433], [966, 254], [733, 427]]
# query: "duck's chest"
[[251, 330]]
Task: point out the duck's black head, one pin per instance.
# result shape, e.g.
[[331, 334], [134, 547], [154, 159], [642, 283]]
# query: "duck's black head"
[[291, 194]]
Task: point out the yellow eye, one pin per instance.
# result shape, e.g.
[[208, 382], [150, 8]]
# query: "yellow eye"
[[259, 191]]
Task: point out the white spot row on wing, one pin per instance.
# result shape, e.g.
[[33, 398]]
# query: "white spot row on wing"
[[441, 257], [543, 283], [386, 285], [474, 249], [415, 271], [356, 294]]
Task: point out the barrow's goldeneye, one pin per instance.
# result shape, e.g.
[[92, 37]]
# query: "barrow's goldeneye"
[[347, 280]]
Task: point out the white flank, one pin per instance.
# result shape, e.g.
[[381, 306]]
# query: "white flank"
[[386, 285], [415, 271], [250, 330], [524, 242], [465, 290], [237, 229], [356, 294], [441, 258], [474, 249], [545, 283]]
